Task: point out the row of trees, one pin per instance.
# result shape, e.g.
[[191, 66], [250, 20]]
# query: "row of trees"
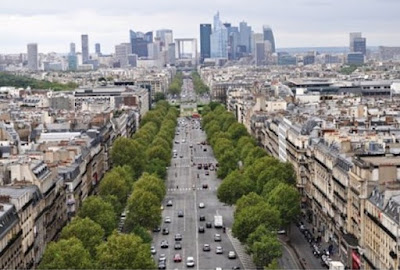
[[135, 183], [198, 84], [262, 188], [8, 79], [176, 85]]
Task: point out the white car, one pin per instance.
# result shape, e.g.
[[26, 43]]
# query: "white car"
[[190, 262], [153, 250], [201, 205], [219, 250], [167, 220], [232, 255]]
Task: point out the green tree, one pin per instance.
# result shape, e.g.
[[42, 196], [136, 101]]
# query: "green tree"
[[66, 254], [270, 186], [115, 202], [100, 212], [142, 233], [234, 186], [117, 182], [248, 200], [151, 183], [159, 96], [228, 162], [124, 251], [254, 154], [158, 167], [266, 250], [128, 152], [273, 265], [247, 220], [87, 231], [158, 151], [144, 209], [237, 130], [287, 200]]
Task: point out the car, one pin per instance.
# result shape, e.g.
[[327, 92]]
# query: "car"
[[191, 145], [231, 255], [201, 229], [181, 156], [208, 224], [218, 268], [183, 141], [199, 166], [202, 218], [161, 265], [219, 250], [202, 205], [165, 231], [207, 173], [176, 142], [167, 220], [180, 213], [205, 166], [153, 250], [164, 244], [205, 149], [190, 262], [169, 203], [177, 258], [178, 237], [205, 186], [217, 237], [156, 229], [235, 267], [281, 231], [206, 247], [162, 258], [177, 245]]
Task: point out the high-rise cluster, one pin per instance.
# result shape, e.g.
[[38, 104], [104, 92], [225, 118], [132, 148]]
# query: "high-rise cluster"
[[222, 40], [358, 49]]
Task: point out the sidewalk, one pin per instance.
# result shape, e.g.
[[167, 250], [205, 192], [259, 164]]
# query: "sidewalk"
[[245, 259]]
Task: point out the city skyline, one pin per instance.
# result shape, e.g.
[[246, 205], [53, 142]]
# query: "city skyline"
[[295, 24]]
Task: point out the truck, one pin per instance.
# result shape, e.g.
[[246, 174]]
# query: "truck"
[[218, 221]]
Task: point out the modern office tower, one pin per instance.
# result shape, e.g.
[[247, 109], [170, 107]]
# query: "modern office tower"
[[33, 56], [205, 46], [355, 58], [353, 36], [148, 37], [122, 51], [72, 61], [259, 53], [309, 59], [245, 36], [132, 60], [268, 35], [360, 45], [153, 49], [256, 38], [85, 48], [171, 54], [138, 43], [234, 49], [72, 49], [219, 39], [97, 48], [165, 36]]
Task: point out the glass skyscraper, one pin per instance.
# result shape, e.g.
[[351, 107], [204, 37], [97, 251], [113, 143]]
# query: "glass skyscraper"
[[205, 46], [269, 36], [85, 48], [219, 39]]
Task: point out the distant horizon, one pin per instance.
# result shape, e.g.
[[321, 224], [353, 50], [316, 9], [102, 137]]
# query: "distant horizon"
[[295, 23]]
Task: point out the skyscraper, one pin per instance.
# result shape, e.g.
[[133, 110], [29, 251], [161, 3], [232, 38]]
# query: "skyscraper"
[[205, 46], [72, 49], [353, 36], [85, 48], [122, 51], [219, 39], [33, 56], [165, 36], [245, 36], [360, 45], [97, 48], [268, 35], [138, 43]]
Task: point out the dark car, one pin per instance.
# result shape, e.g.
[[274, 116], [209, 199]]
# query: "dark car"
[[208, 225], [205, 186], [202, 218], [207, 173], [178, 237], [201, 229], [165, 231], [180, 213], [199, 166], [217, 237], [162, 265], [164, 244], [156, 229], [178, 245]]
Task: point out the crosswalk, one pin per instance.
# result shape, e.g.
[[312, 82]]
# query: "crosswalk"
[[241, 251], [190, 189]]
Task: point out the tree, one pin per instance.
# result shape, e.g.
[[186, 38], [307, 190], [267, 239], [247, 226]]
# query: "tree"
[[66, 254], [254, 154], [270, 186], [257, 235], [248, 200], [234, 186], [158, 151], [221, 146], [151, 183], [128, 152], [125, 251], [159, 96], [229, 163], [144, 209], [142, 233], [100, 212], [287, 200], [87, 231], [158, 167], [117, 182], [273, 265], [237, 130], [266, 250], [248, 219], [258, 166]]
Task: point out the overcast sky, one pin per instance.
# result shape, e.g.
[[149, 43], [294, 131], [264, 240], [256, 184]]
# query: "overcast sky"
[[296, 23]]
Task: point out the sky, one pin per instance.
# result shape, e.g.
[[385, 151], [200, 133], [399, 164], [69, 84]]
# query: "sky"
[[296, 23]]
